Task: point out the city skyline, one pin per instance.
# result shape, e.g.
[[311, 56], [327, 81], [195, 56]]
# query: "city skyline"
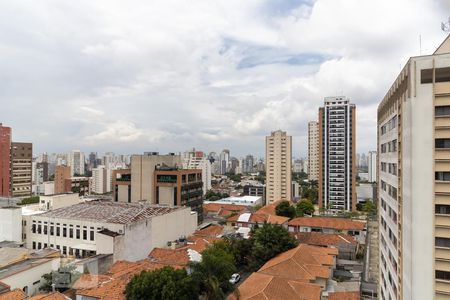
[[204, 80]]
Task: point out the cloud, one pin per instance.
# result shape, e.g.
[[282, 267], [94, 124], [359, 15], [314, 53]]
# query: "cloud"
[[170, 75]]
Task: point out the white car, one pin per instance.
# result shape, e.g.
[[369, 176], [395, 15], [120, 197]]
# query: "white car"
[[235, 278]]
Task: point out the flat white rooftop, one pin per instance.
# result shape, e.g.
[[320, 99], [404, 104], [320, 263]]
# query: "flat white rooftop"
[[243, 200]]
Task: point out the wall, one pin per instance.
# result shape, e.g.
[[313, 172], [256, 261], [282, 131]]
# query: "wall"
[[11, 224]]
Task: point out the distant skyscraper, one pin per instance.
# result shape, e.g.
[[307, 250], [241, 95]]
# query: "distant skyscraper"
[[61, 174], [198, 160], [278, 167], [414, 180], [76, 162], [99, 180], [93, 160], [5, 153], [372, 165], [337, 169], [313, 150], [224, 161], [248, 163]]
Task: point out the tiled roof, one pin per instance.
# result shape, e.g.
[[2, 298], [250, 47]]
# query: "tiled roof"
[[210, 231], [261, 218], [324, 239], [264, 287], [16, 294], [222, 209], [323, 222], [177, 257], [87, 281], [109, 212], [344, 296], [303, 263], [120, 274], [268, 209], [50, 296]]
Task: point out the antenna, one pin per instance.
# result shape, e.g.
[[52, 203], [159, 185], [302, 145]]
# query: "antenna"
[[445, 26]]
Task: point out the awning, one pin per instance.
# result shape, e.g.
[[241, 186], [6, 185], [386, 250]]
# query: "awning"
[[88, 247]]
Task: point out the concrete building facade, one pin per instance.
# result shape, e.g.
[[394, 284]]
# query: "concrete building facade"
[[413, 180], [61, 174], [76, 162], [313, 150], [198, 160], [21, 169], [278, 167], [372, 166], [337, 169], [5, 153]]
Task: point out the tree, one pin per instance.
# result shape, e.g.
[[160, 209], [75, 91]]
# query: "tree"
[[241, 250], [214, 271], [370, 208], [305, 206], [268, 241], [285, 209], [164, 283]]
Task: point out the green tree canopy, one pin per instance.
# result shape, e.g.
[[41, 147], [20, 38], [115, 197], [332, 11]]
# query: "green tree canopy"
[[285, 209], [305, 206], [166, 283], [268, 241]]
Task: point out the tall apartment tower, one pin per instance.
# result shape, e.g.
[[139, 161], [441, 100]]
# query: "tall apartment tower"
[[372, 166], [337, 169], [313, 150], [21, 169], [278, 167], [76, 162], [61, 174], [5, 153], [414, 180]]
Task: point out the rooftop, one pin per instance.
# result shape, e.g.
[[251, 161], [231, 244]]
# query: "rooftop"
[[110, 212], [50, 296], [16, 294], [324, 222], [344, 296], [263, 286], [242, 200], [324, 239]]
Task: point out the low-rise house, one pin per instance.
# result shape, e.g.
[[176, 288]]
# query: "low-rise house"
[[328, 225], [299, 273], [7, 294], [222, 210], [25, 272], [346, 244], [252, 219], [126, 230], [58, 201], [111, 286]]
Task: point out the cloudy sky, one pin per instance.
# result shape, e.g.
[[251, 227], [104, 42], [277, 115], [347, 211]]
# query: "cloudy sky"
[[133, 76]]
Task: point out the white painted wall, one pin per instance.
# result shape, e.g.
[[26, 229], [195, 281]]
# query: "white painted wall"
[[10, 224]]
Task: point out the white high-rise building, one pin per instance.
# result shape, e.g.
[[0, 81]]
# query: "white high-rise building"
[[337, 170], [278, 167], [224, 160], [313, 150], [76, 162], [372, 166], [414, 180], [198, 160], [99, 180]]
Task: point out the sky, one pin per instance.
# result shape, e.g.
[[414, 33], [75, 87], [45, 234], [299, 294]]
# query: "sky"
[[133, 76]]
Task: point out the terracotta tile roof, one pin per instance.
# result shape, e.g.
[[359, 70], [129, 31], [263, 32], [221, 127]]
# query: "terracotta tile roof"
[[217, 207], [303, 263], [172, 257], [261, 218], [199, 243], [120, 274], [210, 231], [344, 296], [323, 222], [268, 209], [87, 281], [273, 219], [50, 296], [324, 239], [16, 294], [264, 287]]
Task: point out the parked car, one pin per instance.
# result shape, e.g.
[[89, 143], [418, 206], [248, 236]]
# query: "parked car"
[[235, 278]]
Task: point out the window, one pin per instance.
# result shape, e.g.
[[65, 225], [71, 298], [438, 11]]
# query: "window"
[[71, 233], [91, 235], [442, 74], [58, 231], [84, 234], [426, 76], [442, 110], [78, 233], [64, 232], [442, 242], [34, 245], [442, 176], [442, 275], [442, 209], [442, 143]]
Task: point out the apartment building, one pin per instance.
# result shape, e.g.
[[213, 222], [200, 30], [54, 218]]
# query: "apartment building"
[[121, 183], [76, 162], [337, 169], [278, 167], [198, 160], [179, 187], [61, 174], [129, 231], [5, 152], [99, 180], [414, 180], [313, 150], [21, 169]]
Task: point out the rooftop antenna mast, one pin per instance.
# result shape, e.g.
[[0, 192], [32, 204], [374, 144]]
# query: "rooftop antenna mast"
[[445, 26]]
